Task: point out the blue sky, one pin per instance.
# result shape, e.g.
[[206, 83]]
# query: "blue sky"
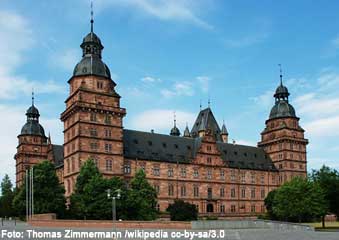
[[166, 56]]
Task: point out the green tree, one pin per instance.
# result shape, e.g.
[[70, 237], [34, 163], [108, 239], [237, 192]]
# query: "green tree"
[[7, 195], [269, 204], [48, 192], [182, 211], [299, 200], [328, 179], [141, 199], [89, 200]]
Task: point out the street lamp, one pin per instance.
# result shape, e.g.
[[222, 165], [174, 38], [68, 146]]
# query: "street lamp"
[[113, 195]]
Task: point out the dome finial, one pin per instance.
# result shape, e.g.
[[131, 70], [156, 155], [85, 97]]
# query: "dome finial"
[[280, 74], [175, 120], [209, 102], [92, 21], [32, 96]]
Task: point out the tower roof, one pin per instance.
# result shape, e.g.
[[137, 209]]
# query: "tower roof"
[[91, 63], [204, 121], [187, 132], [224, 130]]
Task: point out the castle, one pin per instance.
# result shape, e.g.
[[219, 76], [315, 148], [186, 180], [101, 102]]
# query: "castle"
[[200, 166]]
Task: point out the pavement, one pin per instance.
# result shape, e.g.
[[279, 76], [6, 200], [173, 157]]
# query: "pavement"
[[23, 231]]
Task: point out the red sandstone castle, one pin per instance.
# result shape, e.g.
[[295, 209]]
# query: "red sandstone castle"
[[201, 167]]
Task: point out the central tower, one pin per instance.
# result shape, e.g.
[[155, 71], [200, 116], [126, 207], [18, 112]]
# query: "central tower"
[[92, 120]]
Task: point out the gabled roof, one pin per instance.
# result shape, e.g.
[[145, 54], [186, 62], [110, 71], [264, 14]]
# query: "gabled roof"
[[204, 121]]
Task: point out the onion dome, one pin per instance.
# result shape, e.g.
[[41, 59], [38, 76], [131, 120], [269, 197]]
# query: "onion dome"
[[91, 63], [187, 132], [282, 108], [32, 126], [175, 131]]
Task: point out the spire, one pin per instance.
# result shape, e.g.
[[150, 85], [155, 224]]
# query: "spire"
[[200, 106], [92, 21], [209, 102], [223, 128], [187, 131], [175, 120], [175, 131], [32, 96], [280, 74]]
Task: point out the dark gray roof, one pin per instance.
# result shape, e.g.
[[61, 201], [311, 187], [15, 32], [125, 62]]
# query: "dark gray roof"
[[58, 153], [166, 148], [92, 65], [204, 121], [282, 109], [223, 129], [33, 128], [281, 92]]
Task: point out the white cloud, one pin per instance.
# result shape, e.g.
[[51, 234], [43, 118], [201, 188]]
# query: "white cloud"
[[184, 88], [323, 127], [265, 100], [149, 79], [161, 120], [16, 39], [66, 59], [204, 83], [243, 142], [174, 10]]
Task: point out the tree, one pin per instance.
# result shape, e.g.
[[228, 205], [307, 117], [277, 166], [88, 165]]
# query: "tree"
[[328, 179], [89, 200], [48, 192], [182, 211], [141, 199], [7, 195], [299, 200], [269, 204]]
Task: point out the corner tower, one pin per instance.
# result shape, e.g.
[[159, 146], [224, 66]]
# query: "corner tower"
[[32, 146], [93, 117], [283, 138]]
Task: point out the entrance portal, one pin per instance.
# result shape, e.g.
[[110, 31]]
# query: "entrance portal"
[[210, 208]]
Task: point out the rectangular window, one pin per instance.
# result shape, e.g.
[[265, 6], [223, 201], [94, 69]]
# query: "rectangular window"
[[170, 190], [108, 133], [243, 179], [232, 193], [127, 168], [170, 172], [108, 147], [222, 174], [232, 176], [94, 146], [209, 148], [222, 192], [156, 170], [195, 173], [108, 165], [262, 179], [157, 188], [209, 160], [93, 132], [93, 117], [183, 172], [183, 191], [262, 193], [253, 193], [232, 208], [243, 192], [196, 191], [222, 208], [252, 178], [252, 208], [108, 119], [209, 174]]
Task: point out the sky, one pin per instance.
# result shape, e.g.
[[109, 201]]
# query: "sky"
[[168, 56]]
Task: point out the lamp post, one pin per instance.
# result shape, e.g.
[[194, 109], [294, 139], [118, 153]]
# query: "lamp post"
[[113, 195]]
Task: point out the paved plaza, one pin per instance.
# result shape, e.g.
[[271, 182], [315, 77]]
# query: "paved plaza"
[[229, 234]]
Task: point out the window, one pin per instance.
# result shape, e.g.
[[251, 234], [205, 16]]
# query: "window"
[[262, 193], [170, 172], [262, 179], [222, 192], [108, 133], [196, 191], [252, 178], [209, 160], [209, 174], [170, 190], [252, 208], [93, 117], [183, 191], [96, 162], [156, 170], [232, 176], [243, 177], [243, 192], [232, 208], [195, 173], [183, 172], [108, 147], [273, 179], [127, 168], [68, 166], [93, 132], [291, 165], [94, 146], [262, 208], [253, 193], [79, 163], [222, 174], [209, 148], [99, 85], [72, 164], [157, 188], [222, 208], [233, 193], [209, 192], [291, 146], [108, 165], [108, 119]]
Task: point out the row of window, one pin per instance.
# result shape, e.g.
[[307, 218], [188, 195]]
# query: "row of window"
[[222, 192], [70, 164], [107, 119]]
